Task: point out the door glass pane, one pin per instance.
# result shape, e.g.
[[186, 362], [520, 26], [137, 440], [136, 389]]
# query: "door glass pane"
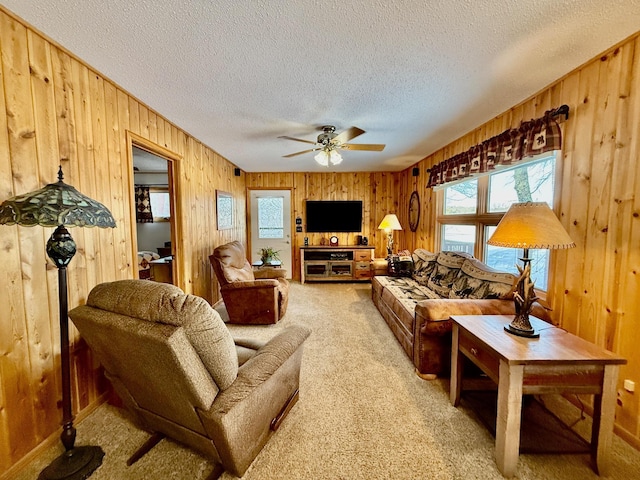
[[505, 260], [270, 217], [458, 238], [533, 182], [461, 198]]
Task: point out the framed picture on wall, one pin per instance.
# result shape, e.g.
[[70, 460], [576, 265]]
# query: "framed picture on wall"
[[224, 210]]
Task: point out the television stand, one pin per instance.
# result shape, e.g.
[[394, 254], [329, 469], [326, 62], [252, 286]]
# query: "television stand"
[[327, 263]]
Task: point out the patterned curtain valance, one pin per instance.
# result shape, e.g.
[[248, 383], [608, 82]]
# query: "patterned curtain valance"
[[511, 146]]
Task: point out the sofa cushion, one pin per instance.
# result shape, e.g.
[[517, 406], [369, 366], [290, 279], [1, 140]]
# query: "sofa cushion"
[[476, 280], [424, 262], [405, 288], [403, 308], [446, 270], [402, 295]]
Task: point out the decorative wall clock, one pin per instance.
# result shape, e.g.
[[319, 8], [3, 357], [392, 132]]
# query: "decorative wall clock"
[[414, 211], [333, 241]]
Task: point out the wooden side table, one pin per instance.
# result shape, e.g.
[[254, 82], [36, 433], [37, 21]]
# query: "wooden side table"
[[379, 266], [557, 362]]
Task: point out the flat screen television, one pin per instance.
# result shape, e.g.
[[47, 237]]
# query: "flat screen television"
[[334, 216]]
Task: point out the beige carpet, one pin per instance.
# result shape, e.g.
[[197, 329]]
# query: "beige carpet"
[[362, 414]]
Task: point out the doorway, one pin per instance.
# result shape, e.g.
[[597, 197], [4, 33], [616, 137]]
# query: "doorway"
[[271, 224], [154, 230]]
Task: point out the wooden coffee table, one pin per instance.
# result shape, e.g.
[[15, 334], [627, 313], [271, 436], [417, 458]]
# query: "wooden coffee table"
[[557, 362]]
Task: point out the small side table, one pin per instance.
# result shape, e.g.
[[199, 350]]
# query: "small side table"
[[379, 266], [272, 263], [557, 362]]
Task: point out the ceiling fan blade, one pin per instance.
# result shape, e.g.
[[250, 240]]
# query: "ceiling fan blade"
[[300, 153], [347, 135], [376, 147], [298, 139]]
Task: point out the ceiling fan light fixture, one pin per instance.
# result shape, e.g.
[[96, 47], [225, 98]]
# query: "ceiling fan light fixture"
[[322, 158], [328, 155], [328, 143]]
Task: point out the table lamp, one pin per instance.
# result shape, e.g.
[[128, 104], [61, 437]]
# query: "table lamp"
[[389, 223], [59, 205], [528, 225]]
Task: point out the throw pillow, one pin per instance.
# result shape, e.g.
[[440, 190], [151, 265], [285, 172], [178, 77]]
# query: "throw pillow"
[[423, 264], [446, 270], [476, 280]]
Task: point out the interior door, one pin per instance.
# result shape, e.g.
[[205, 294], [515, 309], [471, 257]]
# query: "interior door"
[[271, 224]]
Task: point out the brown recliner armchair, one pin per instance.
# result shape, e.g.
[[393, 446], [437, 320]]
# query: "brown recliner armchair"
[[175, 365], [249, 297]]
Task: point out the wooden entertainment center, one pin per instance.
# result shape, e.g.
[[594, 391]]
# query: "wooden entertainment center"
[[329, 263]]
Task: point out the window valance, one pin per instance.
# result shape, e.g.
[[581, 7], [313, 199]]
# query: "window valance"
[[511, 146]]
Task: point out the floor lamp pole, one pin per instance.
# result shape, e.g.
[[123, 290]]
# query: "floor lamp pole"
[[68, 435], [75, 463]]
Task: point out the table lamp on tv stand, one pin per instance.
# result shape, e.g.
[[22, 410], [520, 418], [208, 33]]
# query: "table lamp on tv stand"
[[528, 225], [390, 223]]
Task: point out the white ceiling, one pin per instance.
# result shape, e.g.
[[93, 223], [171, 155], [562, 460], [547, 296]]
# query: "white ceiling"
[[414, 75]]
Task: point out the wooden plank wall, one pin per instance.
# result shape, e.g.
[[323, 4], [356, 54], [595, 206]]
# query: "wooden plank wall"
[[55, 110], [376, 190], [60, 111], [594, 287]]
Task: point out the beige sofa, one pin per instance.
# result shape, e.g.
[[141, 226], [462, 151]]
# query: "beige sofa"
[[417, 307]]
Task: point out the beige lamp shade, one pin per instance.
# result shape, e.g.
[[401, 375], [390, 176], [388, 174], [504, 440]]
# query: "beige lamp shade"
[[390, 222], [530, 225]]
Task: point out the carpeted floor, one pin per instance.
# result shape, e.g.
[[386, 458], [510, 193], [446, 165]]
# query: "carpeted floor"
[[362, 414]]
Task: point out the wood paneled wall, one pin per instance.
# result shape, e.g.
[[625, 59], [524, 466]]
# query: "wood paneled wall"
[[376, 190], [55, 110], [594, 287]]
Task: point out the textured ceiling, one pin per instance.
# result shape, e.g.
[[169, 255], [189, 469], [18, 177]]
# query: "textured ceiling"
[[414, 75]]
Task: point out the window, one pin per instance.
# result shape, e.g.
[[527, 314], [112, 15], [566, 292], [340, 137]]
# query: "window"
[[270, 217], [160, 204], [472, 208]]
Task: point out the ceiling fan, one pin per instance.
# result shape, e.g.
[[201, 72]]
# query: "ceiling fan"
[[329, 142]]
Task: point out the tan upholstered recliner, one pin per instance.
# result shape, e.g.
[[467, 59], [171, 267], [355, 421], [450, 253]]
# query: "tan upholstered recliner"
[[175, 365], [249, 299]]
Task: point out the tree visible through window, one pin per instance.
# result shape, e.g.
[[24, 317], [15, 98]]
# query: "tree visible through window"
[[467, 221], [270, 217]]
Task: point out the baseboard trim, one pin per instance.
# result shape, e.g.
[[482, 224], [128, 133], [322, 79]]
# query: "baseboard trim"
[[617, 429], [51, 440]]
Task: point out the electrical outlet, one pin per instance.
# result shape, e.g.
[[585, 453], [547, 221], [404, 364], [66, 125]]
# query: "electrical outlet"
[[629, 385]]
